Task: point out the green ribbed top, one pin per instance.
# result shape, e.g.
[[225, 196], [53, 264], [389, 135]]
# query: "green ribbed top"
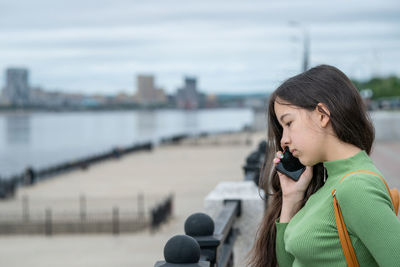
[[311, 237]]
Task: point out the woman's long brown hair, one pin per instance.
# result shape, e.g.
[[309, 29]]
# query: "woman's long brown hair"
[[351, 124]]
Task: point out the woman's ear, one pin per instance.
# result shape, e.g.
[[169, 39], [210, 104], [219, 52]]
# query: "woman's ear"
[[323, 114]]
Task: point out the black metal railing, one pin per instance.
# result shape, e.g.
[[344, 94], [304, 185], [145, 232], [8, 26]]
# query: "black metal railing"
[[161, 212], [7, 188], [254, 163], [84, 215], [206, 242], [31, 175]]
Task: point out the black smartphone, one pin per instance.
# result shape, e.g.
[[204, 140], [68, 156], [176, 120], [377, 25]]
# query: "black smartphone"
[[290, 166]]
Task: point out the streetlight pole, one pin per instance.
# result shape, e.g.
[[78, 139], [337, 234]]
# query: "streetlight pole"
[[306, 45], [306, 49]]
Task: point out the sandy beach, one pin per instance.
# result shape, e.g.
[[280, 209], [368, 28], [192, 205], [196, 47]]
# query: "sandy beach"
[[190, 171]]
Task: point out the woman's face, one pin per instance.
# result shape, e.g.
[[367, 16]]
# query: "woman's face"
[[301, 132]]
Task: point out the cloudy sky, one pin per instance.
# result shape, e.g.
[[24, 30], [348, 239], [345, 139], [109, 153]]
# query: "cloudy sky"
[[99, 46]]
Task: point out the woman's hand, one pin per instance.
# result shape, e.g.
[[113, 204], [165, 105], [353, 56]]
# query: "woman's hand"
[[291, 188], [292, 191]]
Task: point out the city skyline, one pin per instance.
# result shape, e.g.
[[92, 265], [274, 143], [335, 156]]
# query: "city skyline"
[[19, 93], [136, 90], [230, 46]]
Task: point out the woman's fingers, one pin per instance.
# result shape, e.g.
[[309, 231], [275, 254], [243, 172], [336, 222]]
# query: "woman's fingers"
[[278, 157]]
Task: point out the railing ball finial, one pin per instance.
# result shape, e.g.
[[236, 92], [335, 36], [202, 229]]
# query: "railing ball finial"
[[182, 249], [199, 224]]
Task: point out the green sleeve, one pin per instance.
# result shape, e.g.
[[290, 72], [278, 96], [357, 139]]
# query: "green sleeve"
[[368, 214], [283, 257]]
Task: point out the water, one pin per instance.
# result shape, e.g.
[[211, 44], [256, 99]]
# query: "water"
[[42, 139]]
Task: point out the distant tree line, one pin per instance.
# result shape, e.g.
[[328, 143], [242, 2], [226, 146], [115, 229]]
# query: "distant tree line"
[[380, 86]]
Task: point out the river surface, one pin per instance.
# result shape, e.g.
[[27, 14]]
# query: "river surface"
[[42, 139]]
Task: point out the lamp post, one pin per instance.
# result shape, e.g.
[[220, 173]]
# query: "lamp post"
[[306, 45]]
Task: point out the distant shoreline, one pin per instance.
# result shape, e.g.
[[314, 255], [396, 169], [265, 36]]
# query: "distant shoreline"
[[111, 109]]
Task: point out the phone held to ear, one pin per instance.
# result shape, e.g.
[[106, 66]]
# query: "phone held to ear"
[[290, 166]]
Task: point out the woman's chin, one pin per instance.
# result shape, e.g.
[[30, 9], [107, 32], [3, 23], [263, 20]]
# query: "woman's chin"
[[304, 162]]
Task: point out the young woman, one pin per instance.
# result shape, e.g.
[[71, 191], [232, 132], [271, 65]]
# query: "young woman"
[[320, 116]]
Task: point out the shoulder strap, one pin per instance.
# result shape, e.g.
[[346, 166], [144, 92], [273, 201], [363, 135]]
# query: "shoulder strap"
[[394, 193], [344, 237]]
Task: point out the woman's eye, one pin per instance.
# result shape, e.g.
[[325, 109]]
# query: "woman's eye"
[[288, 124]]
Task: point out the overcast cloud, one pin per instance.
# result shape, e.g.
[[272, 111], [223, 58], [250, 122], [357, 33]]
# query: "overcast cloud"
[[230, 46]]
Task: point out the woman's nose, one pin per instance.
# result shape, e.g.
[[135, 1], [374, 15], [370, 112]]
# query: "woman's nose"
[[284, 141], [284, 145]]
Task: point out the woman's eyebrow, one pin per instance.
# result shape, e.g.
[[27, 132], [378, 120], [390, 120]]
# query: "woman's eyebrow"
[[284, 116]]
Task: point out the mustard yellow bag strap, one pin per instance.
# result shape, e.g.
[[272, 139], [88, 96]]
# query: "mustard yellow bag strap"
[[344, 237]]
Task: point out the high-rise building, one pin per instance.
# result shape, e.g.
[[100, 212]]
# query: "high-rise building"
[[147, 94], [145, 89], [17, 91], [187, 96]]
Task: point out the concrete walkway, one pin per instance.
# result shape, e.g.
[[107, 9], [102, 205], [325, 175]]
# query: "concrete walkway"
[[190, 170]]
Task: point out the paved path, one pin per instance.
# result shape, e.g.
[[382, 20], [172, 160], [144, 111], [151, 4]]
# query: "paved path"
[[386, 156], [190, 170]]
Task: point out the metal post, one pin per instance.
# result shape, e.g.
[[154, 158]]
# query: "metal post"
[[115, 221], [25, 208], [306, 49], [306, 45], [171, 205], [140, 206], [48, 223], [82, 207]]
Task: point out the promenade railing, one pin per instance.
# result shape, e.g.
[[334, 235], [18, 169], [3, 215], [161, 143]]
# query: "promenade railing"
[[33, 215], [226, 235], [31, 175], [207, 242], [254, 162]]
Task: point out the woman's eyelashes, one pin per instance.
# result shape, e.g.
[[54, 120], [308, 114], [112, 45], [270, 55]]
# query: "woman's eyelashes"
[[288, 124]]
